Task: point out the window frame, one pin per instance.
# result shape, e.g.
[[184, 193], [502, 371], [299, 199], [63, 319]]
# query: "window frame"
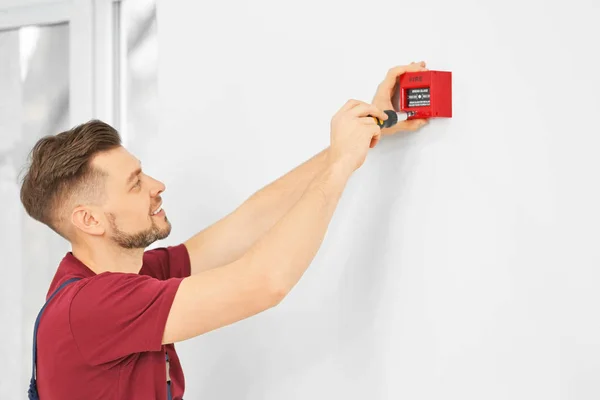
[[96, 41]]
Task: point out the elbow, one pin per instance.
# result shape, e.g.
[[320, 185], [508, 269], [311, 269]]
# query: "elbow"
[[278, 294], [272, 285], [276, 290]]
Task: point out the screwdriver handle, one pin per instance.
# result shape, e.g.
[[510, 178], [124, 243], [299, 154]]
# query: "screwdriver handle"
[[393, 118]]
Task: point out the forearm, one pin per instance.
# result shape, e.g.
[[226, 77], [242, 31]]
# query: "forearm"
[[229, 238], [266, 273], [266, 206], [288, 248]]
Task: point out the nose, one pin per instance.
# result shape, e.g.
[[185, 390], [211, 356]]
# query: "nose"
[[157, 187]]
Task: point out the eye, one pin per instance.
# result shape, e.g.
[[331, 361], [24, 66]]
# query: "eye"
[[138, 183]]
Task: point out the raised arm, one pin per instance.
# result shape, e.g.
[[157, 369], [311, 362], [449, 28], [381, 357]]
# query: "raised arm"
[[230, 237], [265, 274]]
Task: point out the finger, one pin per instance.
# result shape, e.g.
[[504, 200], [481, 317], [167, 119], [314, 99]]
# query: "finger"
[[369, 120], [374, 142], [377, 136], [375, 139], [365, 109], [422, 63], [350, 104], [412, 67], [393, 74], [413, 124], [375, 133]]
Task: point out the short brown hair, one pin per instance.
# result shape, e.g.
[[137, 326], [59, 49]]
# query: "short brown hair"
[[60, 170]]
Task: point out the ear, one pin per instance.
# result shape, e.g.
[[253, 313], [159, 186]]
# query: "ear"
[[86, 219]]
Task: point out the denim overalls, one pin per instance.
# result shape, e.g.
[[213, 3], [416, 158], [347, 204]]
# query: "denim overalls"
[[32, 392]]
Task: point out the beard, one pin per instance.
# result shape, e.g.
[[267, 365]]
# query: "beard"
[[141, 239]]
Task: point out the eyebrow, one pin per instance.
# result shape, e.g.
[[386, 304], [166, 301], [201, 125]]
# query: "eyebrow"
[[133, 175]]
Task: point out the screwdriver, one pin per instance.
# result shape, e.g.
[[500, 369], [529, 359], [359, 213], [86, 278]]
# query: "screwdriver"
[[393, 118]]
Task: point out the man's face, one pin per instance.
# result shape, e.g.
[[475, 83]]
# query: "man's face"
[[132, 201]]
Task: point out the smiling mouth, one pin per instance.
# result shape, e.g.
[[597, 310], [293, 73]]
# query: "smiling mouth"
[[159, 209]]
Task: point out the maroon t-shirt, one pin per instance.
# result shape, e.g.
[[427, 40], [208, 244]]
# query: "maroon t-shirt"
[[100, 337]]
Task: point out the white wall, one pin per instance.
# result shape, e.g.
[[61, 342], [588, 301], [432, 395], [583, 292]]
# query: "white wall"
[[462, 262]]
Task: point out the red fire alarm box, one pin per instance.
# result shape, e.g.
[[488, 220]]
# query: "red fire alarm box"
[[425, 94]]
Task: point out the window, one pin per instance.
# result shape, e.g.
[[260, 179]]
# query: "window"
[[34, 101], [140, 96], [45, 89]]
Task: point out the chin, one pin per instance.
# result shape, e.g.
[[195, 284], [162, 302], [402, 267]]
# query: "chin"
[[164, 233], [162, 229], [158, 230]]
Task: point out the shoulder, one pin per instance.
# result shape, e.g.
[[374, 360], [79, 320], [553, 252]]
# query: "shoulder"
[[112, 286], [114, 296], [167, 262], [113, 315]]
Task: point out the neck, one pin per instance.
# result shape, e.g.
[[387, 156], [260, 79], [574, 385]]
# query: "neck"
[[101, 257]]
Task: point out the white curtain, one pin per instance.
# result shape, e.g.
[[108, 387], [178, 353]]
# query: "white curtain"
[[462, 262]]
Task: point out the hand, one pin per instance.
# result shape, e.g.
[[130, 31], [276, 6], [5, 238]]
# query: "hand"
[[352, 129], [383, 99]]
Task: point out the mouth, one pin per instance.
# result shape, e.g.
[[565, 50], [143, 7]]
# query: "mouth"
[[157, 210]]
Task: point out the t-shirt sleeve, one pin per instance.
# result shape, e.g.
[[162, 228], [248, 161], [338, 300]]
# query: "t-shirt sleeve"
[[118, 314], [167, 262]]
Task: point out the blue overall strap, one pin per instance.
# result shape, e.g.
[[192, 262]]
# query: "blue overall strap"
[[33, 393], [169, 394]]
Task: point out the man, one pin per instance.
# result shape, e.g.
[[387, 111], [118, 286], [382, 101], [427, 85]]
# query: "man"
[[109, 334]]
